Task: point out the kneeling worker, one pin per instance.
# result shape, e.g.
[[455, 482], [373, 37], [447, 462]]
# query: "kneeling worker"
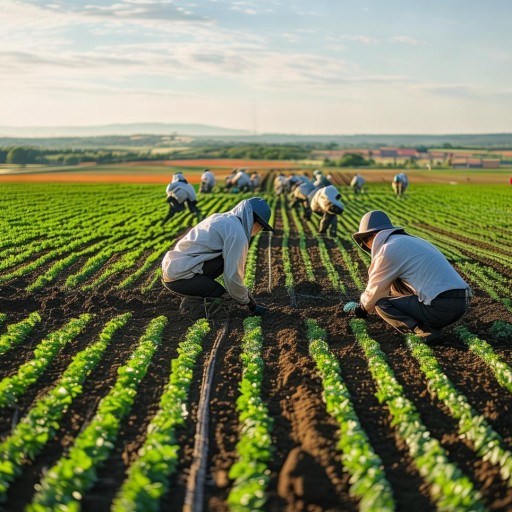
[[217, 245], [326, 201], [411, 285]]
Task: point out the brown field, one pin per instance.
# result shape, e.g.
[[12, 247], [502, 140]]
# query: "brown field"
[[159, 172]]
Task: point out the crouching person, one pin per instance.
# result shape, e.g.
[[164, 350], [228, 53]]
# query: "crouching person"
[[217, 245], [179, 194], [300, 196], [411, 285], [326, 201]]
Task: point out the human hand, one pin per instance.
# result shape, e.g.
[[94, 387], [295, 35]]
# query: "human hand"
[[349, 307], [354, 308]]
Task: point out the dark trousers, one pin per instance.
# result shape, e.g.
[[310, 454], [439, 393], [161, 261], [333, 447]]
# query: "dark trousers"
[[201, 285], [406, 312], [329, 220]]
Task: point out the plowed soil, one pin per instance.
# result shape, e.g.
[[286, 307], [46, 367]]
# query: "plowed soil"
[[306, 468]]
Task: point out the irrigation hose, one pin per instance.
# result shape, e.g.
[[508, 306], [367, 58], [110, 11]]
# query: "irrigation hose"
[[194, 496], [269, 252]]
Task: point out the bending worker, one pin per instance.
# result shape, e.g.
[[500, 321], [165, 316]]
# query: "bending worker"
[[217, 245], [207, 182], [180, 192], [326, 201], [411, 285]]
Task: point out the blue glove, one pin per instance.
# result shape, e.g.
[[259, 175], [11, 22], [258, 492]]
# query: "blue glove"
[[349, 307], [354, 308]]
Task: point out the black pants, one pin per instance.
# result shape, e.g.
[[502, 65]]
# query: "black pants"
[[174, 207], [405, 312], [201, 285], [329, 220]]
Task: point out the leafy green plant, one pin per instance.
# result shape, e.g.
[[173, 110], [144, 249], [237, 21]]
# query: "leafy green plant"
[[501, 330], [484, 351], [449, 487], [63, 485], [148, 477], [17, 333], [486, 442], [12, 387], [33, 432], [254, 448], [367, 478]]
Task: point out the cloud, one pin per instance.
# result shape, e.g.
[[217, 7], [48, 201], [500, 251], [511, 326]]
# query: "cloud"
[[464, 91], [407, 40], [165, 10]]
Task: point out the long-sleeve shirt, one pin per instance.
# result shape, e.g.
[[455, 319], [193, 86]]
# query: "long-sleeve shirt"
[[241, 179], [416, 262], [225, 234], [181, 191], [209, 178], [325, 197]]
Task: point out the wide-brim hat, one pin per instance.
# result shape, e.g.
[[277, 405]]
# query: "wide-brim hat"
[[372, 222], [261, 211]]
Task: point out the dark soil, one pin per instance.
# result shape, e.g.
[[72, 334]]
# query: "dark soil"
[[306, 468]]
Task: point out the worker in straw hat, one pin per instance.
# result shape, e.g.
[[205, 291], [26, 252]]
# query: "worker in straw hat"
[[411, 285], [217, 245]]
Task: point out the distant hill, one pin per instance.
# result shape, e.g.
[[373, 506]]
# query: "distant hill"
[[154, 135], [193, 130], [483, 140]]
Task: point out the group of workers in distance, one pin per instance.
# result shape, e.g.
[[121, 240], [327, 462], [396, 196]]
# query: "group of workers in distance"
[[411, 285]]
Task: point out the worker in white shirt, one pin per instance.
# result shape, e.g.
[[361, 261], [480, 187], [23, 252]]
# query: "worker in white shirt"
[[411, 285], [217, 246]]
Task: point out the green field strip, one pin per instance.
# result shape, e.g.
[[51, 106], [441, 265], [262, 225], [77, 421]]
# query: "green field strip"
[[485, 441], [254, 450], [332, 274], [367, 477], [17, 333], [303, 248], [57, 253], [14, 386], [502, 371], [36, 428], [148, 477], [64, 484], [449, 488], [285, 256]]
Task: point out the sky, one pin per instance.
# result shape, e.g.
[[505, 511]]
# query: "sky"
[[297, 67]]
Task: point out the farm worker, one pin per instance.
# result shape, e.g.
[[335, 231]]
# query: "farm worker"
[[255, 181], [217, 245], [280, 184], [207, 182], [241, 182], [180, 192], [400, 183], [357, 183], [300, 196], [411, 285], [320, 180], [293, 180], [326, 201]]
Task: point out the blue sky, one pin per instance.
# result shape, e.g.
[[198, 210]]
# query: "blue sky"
[[323, 66]]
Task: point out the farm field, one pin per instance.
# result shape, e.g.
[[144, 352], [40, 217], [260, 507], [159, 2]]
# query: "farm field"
[[309, 410], [153, 172]]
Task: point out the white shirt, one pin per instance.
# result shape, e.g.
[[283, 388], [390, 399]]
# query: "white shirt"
[[225, 234], [420, 265]]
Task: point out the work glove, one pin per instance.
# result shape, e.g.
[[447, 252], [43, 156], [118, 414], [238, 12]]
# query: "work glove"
[[355, 309]]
